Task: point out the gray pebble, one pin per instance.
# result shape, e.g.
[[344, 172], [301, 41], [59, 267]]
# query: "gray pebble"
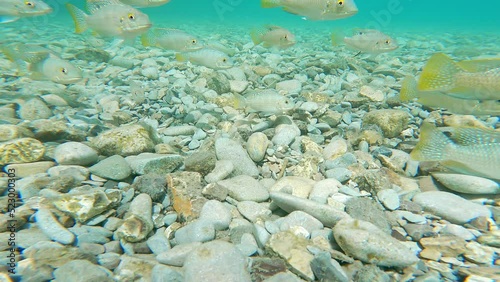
[[163, 273], [179, 130], [245, 188], [223, 168], [196, 231], [257, 145], [389, 198], [302, 219], [154, 163], [217, 214], [177, 255], [339, 173], [158, 243], [75, 153], [285, 134], [109, 260], [114, 167], [227, 149], [52, 228], [82, 271], [253, 211]]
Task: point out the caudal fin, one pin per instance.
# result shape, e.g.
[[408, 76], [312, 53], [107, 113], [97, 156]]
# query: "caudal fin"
[[256, 35], [79, 17], [148, 39], [439, 74], [408, 89], [180, 57], [432, 144], [270, 3]]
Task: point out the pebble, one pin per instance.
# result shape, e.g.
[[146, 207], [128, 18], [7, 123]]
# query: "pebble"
[[163, 273], [253, 211], [285, 134], [145, 163], [82, 271], [125, 140], [222, 169], [114, 168], [339, 173], [52, 228], [75, 153], [179, 130], [138, 222], [34, 109], [324, 189], [297, 186], [245, 188], [327, 215], [27, 169], [389, 198], [391, 122], [248, 245], [335, 149], [177, 255], [217, 214], [325, 268], [22, 150], [302, 219], [467, 184], [227, 149], [195, 231], [158, 243], [366, 242], [216, 261], [257, 145], [450, 206], [152, 184]]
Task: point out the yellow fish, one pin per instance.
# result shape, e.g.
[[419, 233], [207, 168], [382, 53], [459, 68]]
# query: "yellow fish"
[[476, 80], [171, 39], [44, 64], [110, 18], [145, 3], [370, 41], [12, 10], [210, 58], [315, 9], [468, 150], [436, 99], [273, 36]]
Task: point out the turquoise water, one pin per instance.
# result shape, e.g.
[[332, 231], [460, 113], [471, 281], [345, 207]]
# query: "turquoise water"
[[386, 15]]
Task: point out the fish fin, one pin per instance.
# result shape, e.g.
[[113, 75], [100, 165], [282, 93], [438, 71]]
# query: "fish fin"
[[439, 73], [148, 38], [480, 65], [408, 89], [239, 101], [468, 136], [180, 57], [8, 19], [337, 38], [432, 144], [270, 3], [93, 5], [79, 17], [10, 53], [256, 35]]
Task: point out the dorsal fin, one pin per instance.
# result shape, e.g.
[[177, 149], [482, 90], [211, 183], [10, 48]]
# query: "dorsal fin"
[[93, 5]]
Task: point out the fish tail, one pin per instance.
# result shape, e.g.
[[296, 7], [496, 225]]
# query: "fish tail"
[[270, 3], [9, 52], [239, 101], [438, 73], [432, 144], [180, 57], [408, 89], [79, 17], [336, 37], [256, 35], [148, 39]]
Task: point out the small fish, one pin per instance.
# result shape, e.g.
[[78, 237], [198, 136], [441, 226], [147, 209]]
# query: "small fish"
[[145, 3], [267, 101], [273, 36], [12, 10], [110, 18], [468, 150], [315, 9], [369, 41], [436, 99], [43, 63], [466, 80], [209, 58], [171, 39], [218, 46]]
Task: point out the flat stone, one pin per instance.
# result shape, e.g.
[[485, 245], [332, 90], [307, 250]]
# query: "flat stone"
[[158, 243], [245, 188], [295, 185], [389, 198], [114, 167], [154, 185], [177, 255], [366, 242], [227, 149], [467, 184], [125, 140], [391, 122], [135, 267], [325, 268], [179, 130], [138, 222], [82, 271], [326, 214], [257, 145], [217, 214], [302, 219], [222, 169], [154, 163], [27, 169], [195, 231], [450, 206], [368, 210], [216, 261], [163, 273], [52, 228], [185, 191], [253, 211], [75, 153], [34, 109], [324, 189], [22, 150]]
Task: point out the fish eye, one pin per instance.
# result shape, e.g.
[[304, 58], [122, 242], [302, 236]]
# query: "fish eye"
[[30, 4], [340, 3], [64, 70], [286, 36], [224, 60], [131, 16], [193, 41], [387, 41]]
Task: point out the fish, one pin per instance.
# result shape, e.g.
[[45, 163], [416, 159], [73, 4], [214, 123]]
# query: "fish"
[[267, 101], [273, 36], [110, 18], [145, 3], [369, 41], [474, 80], [218, 46], [171, 39], [207, 57], [43, 63], [467, 150], [315, 10], [436, 99], [13, 10]]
